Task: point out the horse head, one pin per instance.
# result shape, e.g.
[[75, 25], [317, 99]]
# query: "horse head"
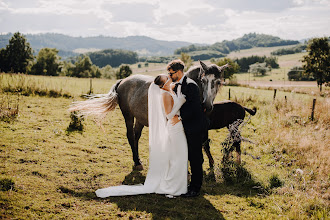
[[211, 78]]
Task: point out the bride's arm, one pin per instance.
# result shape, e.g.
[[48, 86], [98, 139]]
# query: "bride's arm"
[[181, 99]]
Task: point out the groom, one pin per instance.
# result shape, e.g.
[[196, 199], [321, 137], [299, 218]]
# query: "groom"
[[192, 118]]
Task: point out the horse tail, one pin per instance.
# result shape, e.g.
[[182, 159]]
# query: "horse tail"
[[252, 112], [97, 105]]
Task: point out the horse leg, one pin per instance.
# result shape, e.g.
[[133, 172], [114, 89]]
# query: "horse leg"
[[129, 120], [206, 146], [137, 134]]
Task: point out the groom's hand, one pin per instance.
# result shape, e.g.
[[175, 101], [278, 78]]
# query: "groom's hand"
[[175, 120]]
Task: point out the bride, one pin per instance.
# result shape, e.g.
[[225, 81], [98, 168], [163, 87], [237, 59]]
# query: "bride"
[[168, 152]]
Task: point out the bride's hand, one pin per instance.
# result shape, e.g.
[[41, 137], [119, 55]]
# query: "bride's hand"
[[175, 120]]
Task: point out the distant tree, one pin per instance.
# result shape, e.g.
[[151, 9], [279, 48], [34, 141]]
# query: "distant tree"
[[107, 72], [259, 69], [17, 54], [47, 63], [283, 51], [67, 68], [3, 60], [113, 57], [84, 68], [272, 62], [123, 72], [139, 65], [229, 72], [187, 60], [245, 62], [146, 64], [317, 61]]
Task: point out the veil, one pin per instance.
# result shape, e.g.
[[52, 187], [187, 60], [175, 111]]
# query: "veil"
[[158, 138], [158, 155], [157, 120]]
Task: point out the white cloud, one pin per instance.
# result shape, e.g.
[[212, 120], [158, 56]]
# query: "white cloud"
[[133, 12], [199, 21]]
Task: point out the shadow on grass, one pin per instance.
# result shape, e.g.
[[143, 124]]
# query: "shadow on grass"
[[157, 205], [235, 180], [240, 184]]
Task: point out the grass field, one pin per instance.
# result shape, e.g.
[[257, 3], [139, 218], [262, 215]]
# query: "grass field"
[[47, 172]]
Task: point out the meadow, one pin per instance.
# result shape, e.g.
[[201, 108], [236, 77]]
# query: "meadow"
[[49, 172]]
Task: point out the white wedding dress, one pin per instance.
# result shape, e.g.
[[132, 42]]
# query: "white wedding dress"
[[168, 153]]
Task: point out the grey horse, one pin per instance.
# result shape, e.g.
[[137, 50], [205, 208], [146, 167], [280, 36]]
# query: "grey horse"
[[131, 94]]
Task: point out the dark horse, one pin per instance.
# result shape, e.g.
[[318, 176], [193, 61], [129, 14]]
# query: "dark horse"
[[224, 114], [131, 94]]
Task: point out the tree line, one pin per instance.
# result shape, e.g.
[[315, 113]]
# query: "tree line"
[[292, 50], [17, 57], [246, 42], [245, 62]]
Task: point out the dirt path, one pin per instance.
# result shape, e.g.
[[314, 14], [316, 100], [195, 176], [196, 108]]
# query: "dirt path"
[[279, 83]]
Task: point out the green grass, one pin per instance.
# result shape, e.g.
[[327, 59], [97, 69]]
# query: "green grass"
[[54, 173], [47, 172], [286, 62]]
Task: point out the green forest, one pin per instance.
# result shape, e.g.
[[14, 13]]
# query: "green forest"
[[246, 42]]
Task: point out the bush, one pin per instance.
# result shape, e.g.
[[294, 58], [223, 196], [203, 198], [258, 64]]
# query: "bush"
[[275, 182], [123, 72], [259, 68], [283, 51], [297, 73], [6, 184], [76, 123]]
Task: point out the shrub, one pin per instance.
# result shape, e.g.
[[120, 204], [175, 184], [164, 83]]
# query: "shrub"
[[6, 184], [76, 123], [275, 182], [123, 72], [297, 73]]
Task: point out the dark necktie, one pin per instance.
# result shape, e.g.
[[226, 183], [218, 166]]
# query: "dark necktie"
[[175, 89]]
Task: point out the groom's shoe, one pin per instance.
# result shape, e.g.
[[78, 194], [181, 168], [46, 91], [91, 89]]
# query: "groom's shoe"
[[190, 193]]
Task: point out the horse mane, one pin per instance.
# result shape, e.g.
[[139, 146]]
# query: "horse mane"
[[194, 73]]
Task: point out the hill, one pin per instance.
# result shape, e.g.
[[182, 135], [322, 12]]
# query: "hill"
[[246, 42], [68, 45]]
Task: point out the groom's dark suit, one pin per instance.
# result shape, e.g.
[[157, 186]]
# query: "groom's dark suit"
[[193, 123]]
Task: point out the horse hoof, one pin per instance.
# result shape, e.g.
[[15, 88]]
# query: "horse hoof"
[[138, 167]]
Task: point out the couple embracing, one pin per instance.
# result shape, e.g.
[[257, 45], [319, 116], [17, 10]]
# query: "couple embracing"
[[176, 124]]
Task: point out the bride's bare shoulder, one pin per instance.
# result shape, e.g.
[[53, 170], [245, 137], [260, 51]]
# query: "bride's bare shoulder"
[[167, 97]]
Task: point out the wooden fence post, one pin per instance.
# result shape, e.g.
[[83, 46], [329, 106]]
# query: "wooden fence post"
[[313, 107], [91, 87], [275, 93], [229, 93]]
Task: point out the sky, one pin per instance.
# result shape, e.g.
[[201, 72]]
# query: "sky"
[[195, 21]]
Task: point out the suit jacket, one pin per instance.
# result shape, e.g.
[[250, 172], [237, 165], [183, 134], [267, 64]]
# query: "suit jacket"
[[191, 112]]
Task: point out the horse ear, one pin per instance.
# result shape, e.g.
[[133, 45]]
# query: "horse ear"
[[201, 75], [203, 66], [223, 67]]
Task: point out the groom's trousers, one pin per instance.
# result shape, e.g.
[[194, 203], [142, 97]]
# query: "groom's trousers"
[[195, 157]]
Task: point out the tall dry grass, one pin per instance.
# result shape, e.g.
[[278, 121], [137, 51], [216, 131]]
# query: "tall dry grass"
[[285, 131]]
